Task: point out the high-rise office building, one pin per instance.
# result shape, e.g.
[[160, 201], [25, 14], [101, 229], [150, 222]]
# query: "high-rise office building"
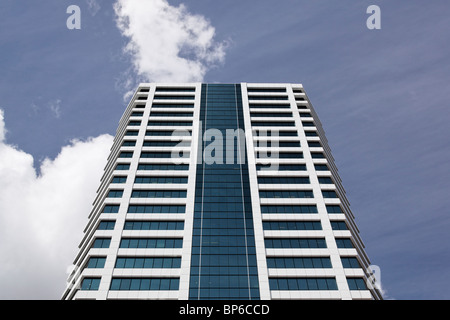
[[221, 191]]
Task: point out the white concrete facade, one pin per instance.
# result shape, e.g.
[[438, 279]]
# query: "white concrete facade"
[[305, 119]]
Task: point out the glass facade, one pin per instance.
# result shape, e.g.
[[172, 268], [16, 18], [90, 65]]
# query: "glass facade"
[[223, 264], [231, 221]]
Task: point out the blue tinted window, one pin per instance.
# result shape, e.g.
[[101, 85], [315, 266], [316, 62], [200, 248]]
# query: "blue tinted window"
[[283, 180], [144, 284], [156, 209], [119, 179], [150, 243], [159, 194], [292, 225], [356, 284], [148, 262], [338, 225], [111, 209], [115, 194], [101, 243], [350, 262], [344, 243], [295, 243], [153, 225], [123, 166], [302, 284], [286, 194], [106, 225], [288, 209], [161, 179], [299, 263], [96, 263], [126, 154], [181, 167], [90, 284], [334, 209], [223, 264]]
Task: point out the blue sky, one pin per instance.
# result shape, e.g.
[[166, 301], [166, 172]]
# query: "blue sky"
[[382, 97]]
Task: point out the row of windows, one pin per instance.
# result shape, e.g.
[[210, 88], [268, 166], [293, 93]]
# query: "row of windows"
[[167, 143], [129, 143], [96, 263], [170, 123], [115, 194], [156, 209], [282, 284], [150, 180], [153, 225], [126, 154], [298, 243], [148, 263], [160, 97], [273, 124], [334, 209], [302, 284], [268, 98], [292, 225], [282, 167], [175, 89], [164, 167], [159, 194], [144, 284], [283, 180], [169, 133], [274, 133], [271, 114], [288, 209], [224, 260], [172, 105], [110, 208], [270, 106], [150, 243], [134, 123], [282, 144], [314, 144], [119, 179], [276, 194], [170, 114], [302, 225], [299, 263], [272, 243], [338, 225], [301, 243], [106, 225], [279, 155], [226, 281], [278, 133], [317, 155], [309, 262], [162, 155], [266, 89], [123, 166]]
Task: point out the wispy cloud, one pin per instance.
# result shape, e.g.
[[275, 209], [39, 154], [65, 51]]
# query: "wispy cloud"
[[167, 43], [93, 6], [40, 212], [55, 107]]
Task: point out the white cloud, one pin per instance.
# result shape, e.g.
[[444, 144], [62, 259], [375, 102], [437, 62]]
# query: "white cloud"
[[167, 43], [42, 216]]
